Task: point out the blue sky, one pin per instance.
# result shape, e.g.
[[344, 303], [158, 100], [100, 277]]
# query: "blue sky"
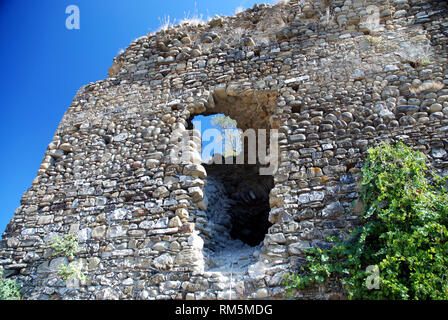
[[43, 64], [214, 138]]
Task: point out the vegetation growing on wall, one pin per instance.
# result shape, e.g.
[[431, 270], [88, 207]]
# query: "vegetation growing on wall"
[[9, 289], [401, 249], [67, 246], [72, 270]]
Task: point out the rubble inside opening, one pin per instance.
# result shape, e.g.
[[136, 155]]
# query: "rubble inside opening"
[[235, 222], [236, 215]]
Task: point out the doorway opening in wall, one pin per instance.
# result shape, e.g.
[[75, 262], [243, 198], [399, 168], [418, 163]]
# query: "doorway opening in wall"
[[237, 215], [234, 221]]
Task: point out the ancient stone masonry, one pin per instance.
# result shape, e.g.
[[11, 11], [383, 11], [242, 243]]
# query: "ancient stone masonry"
[[334, 77]]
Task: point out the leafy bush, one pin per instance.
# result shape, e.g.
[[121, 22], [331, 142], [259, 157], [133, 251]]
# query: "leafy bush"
[[65, 246], [403, 234], [9, 289]]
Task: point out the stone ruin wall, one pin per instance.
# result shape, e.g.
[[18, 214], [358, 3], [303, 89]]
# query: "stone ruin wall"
[[329, 87]]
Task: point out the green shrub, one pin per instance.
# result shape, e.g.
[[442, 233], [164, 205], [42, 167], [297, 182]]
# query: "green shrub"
[[9, 289], [403, 234], [65, 246], [72, 270]]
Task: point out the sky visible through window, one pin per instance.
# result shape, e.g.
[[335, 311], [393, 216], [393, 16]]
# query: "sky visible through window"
[[214, 139]]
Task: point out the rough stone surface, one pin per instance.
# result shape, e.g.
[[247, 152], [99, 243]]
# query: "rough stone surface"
[[329, 84]]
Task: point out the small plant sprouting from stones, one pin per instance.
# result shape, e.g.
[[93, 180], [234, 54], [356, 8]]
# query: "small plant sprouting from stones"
[[375, 41], [68, 246], [425, 62], [9, 289], [72, 270], [64, 246]]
